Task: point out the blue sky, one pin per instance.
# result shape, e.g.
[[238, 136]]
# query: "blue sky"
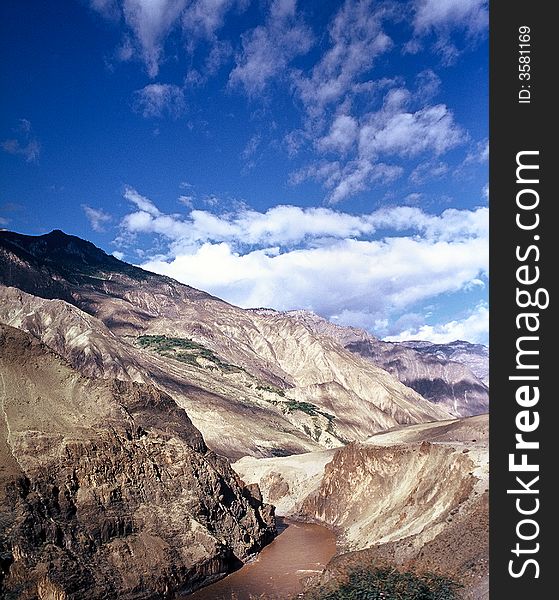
[[322, 155]]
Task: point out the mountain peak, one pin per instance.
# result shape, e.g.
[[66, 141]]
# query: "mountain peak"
[[61, 249]]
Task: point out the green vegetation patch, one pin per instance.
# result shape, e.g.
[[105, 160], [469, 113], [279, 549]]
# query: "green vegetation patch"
[[306, 407], [389, 584], [270, 388], [184, 350]]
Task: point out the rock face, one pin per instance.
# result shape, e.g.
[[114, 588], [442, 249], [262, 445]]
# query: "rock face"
[[415, 497], [107, 489], [254, 382], [454, 375]]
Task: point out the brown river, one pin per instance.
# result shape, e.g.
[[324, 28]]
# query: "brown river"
[[300, 550]]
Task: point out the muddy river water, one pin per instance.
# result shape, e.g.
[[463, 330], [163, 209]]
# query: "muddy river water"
[[300, 550]]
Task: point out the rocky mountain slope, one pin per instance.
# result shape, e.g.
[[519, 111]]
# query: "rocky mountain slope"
[[231, 369], [474, 356], [107, 488], [124, 393], [417, 498], [455, 375]]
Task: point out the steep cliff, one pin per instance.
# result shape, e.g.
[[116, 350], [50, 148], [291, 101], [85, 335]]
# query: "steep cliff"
[[108, 490]]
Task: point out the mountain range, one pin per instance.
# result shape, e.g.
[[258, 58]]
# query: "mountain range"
[[127, 395]]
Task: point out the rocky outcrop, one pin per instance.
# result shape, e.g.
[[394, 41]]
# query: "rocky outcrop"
[[107, 489], [459, 552]]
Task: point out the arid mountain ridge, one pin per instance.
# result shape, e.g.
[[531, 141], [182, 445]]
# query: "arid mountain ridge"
[[183, 377], [272, 346]]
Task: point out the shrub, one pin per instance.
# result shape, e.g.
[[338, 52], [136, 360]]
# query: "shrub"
[[390, 584]]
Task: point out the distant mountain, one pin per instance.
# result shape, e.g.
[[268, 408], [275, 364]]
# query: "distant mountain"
[[475, 356], [454, 375]]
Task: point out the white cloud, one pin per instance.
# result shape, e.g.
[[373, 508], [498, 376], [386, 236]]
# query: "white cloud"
[[251, 147], [373, 277], [479, 153], [159, 99], [29, 150], [317, 258], [429, 170], [396, 131], [473, 328], [342, 134], [471, 15], [97, 217], [143, 203], [268, 49], [356, 176], [286, 225], [186, 200], [428, 84], [108, 8], [442, 18], [356, 40], [151, 21], [204, 17], [413, 198]]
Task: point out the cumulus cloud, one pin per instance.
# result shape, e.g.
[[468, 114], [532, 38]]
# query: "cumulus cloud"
[[269, 48], [24, 144], [374, 277], [159, 99], [367, 267], [473, 328], [97, 217], [286, 225]]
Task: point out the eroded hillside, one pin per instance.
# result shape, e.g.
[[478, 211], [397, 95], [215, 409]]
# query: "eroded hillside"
[[252, 382]]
